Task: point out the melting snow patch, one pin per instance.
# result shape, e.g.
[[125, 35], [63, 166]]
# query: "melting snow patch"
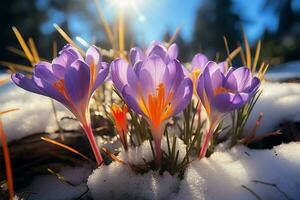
[[118, 181], [229, 175], [35, 113], [279, 102], [51, 188]]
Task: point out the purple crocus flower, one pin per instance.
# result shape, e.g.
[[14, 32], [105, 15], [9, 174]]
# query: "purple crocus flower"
[[198, 65], [221, 93], [71, 80], [137, 55], [156, 89]]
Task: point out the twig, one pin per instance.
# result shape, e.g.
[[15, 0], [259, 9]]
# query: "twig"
[[273, 185], [252, 192]]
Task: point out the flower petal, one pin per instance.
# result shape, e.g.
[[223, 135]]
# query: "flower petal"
[[238, 79], [158, 49], [77, 83], [66, 57], [173, 52], [156, 68], [173, 76], [137, 67], [101, 76], [131, 99], [43, 70], [199, 62], [227, 102], [71, 51], [182, 96], [50, 91], [93, 57], [255, 83], [135, 55], [120, 71], [26, 83]]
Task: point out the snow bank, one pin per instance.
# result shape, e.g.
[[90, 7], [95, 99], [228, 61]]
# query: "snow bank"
[[51, 188], [279, 102], [223, 174], [284, 71], [144, 153], [35, 113], [118, 181]]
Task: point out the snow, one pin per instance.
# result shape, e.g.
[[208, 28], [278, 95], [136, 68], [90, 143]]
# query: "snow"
[[142, 153], [223, 174], [284, 71], [35, 113], [51, 188], [219, 177], [279, 102], [118, 181]]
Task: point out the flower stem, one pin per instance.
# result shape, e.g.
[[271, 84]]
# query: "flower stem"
[[89, 132], [157, 135], [158, 152], [205, 142]]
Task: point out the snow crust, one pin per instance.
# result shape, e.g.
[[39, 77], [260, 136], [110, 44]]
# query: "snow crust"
[[284, 71], [222, 176], [279, 102], [49, 187]]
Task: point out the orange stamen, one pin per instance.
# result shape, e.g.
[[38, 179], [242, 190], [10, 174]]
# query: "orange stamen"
[[92, 73], [194, 76], [159, 108], [206, 103], [220, 90]]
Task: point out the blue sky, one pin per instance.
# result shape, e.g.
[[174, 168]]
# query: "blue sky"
[[165, 15], [153, 18]]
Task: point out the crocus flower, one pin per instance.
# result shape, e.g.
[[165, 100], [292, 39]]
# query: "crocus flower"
[[71, 80], [198, 65], [137, 55], [221, 93], [156, 89], [119, 116]]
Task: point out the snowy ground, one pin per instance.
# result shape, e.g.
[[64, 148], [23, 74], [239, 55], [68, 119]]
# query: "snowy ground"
[[223, 176], [279, 102], [284, 71], [35, 113]]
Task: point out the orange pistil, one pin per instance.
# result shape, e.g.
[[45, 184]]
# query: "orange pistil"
[[92, 73], [119, 115], [220, 90], [159, 107]]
